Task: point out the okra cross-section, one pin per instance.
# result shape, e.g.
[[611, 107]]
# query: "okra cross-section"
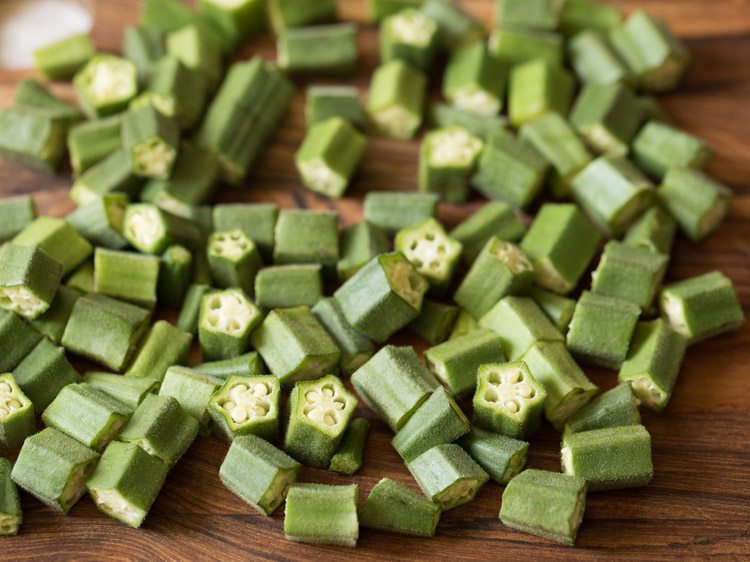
[[501, 456], [319, 413], [105, 85], [29, 279], [446, 161], [431, 251], [233, 260], [411, 36], [247, 405], [616, 407], [322, 514], [393, 507], [152, 230], [10, 504], [126, 275], [193, 390], [227, 318], [475, 80], [396, 99], [16, 414], [152, 141]]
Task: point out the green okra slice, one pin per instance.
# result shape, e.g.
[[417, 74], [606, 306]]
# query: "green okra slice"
[[258, 472], [360, 242], [100, 221], [105, 85], [601, 329], [568, 389], [435, 321], [165, 15], [198, 49], [322, 49], [394, 210], [191, 308], [111, 177], [307, 237], [247, 405], [348, 457], [52, 322], [561, 243], [175, 274], [295, 346], [378, 10], [595, 61], [32, 137], [164, 345], [475, 80], [534, 14], [127, 276], [54, 468], [16, 213], [447, 158], [355, 348], [233, 260], [411, 36], [546, 504], [143, 45], [287, 286], [43, 373], [536, 88], [18, 338], [323, 102], [152, 141], [616, 407], [652, 109], [508, 399], [455, 363], [329, 156], [60, 60], [227, 318], [29, 279], [284, 14], [500, 269], [243, 366], [659, 146], [557, 308], [17, 420], [10, 505], [501, 456], [494, 218], [192, 390], [256, 220], [130, 391], [396, 99], [105, 330], [162, 428], [431, 251], [382, 297], [440, 115], [514, 45], [448, 475], [611, 458], [58, 239], [701, 307], [655, 56], [698, 203], [92, 141], [580, 15], [393, 507], [178, 91], [31, 93], [152, 230], [322, 514], [437, 421], [456, 27], [236, 20], [394, 383]]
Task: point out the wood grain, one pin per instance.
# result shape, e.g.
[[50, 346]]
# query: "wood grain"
[[698, 504]]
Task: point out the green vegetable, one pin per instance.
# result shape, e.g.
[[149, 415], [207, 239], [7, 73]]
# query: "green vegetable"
[[360, 242], [501, 456], [233, 260], [537, 88], [491, 219], [191, 389], [393, 507], [111, 177], [616, 407], [323, 102], [307, 237], [131, 391], [396, 100], [92, 141], [534, 14], [435, 321], [52, 322], [300, 13], [411, 36], [105, 85], [654, 230], [164, 345], [61, 59], [355, 348], [243, 366], [447, 158], [432, 253], [227, 318], [43, 373], [323, 49], [660, 146], [175, 273], [143, 45], [16, 213], [165, 15], [440, 115], [394, 210], [151, 140], [198, 49], [580, 15], [100, 221], [10, 505], [256, 220], [514, 45], [348, 457], [322, 514], [34, 95], [152, 230], [16, 414], [236, 20], [558, 309], [377, 10], [245, 406], [58, 239], [191, 308], [456, 27], [126, 276], [178, 91], [475, 80], [32, 137], [595, 61], [18, 338], [287, 286], [29, 279]]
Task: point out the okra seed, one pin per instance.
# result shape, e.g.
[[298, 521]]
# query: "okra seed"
[[247, 402], [459, 492], [232, 246], [491, 395], [155, 157], [321, 176], [9, 402], [511, 406], [513, 257], [21, 300], [323, 405]]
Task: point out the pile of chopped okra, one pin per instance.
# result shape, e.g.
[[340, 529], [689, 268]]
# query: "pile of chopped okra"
[[160, 126]]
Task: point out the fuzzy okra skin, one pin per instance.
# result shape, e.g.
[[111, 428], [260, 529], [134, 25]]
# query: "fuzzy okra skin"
[[16, 414], [546, 504], [411, 36], [175, 274], [514, 45], [105, 85], [434, 322], [394, 210], [92, 141], [258, 472], [595, 61], [355, 348], [56, 237], [233, 260], [227, 319], [616, 407], [537, 87], [287, 286], [378, 10], [558, 309], [447, 158], [29, 279], [243, 366], [535, 14], [303, 236], [659, 146], [52, 322], [19, 337], [199, 48], [152, 230], [654, 230], [581, 15], [494, 218], [130, 391], [31, 93], [32, 137], [111, 176], [360, 243], [348, 457], [62, 59], [43, 373], [431, 251], [475, 80], [445, 115], [100, 221], [456, 27], [176, 90], [501, 456], [323, 102], [191, 389], [247, 405], [164, 345], [10, 505], [235, 20], [143, 45], [127, 276], [322, 49], [16, 213], [191, 308], [393, 507], [322, 514], [285, 14], [396, 100]]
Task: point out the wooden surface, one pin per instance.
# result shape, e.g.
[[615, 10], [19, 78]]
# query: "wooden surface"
[[698, 503]]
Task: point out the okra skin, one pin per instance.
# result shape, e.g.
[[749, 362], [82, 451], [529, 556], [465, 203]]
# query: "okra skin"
[[16, 213], [152, 230], [393, 211], [258, 472], [16, 414], [10, 505], [60, 60], [111, 177], [32, 138], [434, 322], [105, 85], [58, 239], [18, 336], [32, 94], [100, 221], [411, 36], [534, 14], [29, 279], [537, 87], [378, 10], [322, 514], [515, 45], [348, 457], [227, 319], [659, 146], [307, 237], [475, 80], [256, 220], [287, 286], [654, 230], [456, 27], [501, 456], [199, 48], [175, 274], [143, 45], [127, 276], [432, 253], [447, 158], [181, 90], [92, 141], [323, 49], [558, 309], [445, 115], [130, 391], [285, 14], [191, 307], [152, 141], [243, 366], [53, 468], [192, 390], [595, 61], [614, 408], [580, 15], [233, 260], [43, 373], [164, 345], [247, 406], [235, 21], [393, 507], [464, 324], [355, 348], [494, 218], [396, 100], [323, 102], [52, 322], [360, 243], [546, 504]]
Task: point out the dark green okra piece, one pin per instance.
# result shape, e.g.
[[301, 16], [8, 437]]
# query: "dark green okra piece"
[[580, 15], [284, 14], [19, 337], [394, 210], [355, 348], [323, 102], [192, 390], [177, 90], [54, 468], [501, 456], [654, 230], [242, 366], [534, 14], [447, 158], [595, 61], [165, 15], [322, 514], [378, 10], [441, 115], [393, 507], [247, 405], [287, 286], [432, 253], [256, 220], [164, 345], [191, 308], [58, 239], [235, 21], [29, 279], [233, 260], [198, 49], [32, 94], [43, 373], [475, 80], [435, 321], [536, 88], [100, 221], [307, 237], [660, 146], [514, 45], [32, 137], [143, 45], [17, 420], [60, 60], [127, 276], [359, 243], [396, 100], [495, 218], [152, 230], [411, 36], [16, 213], [92, 141], [112, 176], [558, 309], [616, 407], [175, 274], [105, 85], [227, 318], [131, 391], [151, 140], [321, 49], [10, 505], [52, 323], [348, 457], [456, 27]]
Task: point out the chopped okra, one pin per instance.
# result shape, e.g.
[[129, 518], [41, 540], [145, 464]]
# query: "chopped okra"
[[393, 507], [10, 504], [17, 420], [256, 220], [558, 309], [100, 221], [176, 90], [43, 373], [244, 365], [191, 308], [52, 322], [324, 102], [307, 237], [378, 10], [595, 61], [534, 14], [287, 286], [127, 276], [616, 407], [494, 218], [29, 279], [660, 146], [19, 337], [198, 47], [143, 45], [151, 140], [247, 405], [348, 457], [164, 345], [514, 45], [233, 260], [475, 80], [501, 456], [321, 49], [105, 85], [32, 94], [355, 348], [411, 36], [175, 274], [435, 321], [92, 141], [441, 115], [446, 161], [654, 230], [536, 88], [227, 318], [235, 20], [191, 389], [322, 514], [32, 137], [62, 59], [16, 213], [456, 27], [112, 176], [394, 210], [396, 99], [431, 251], [580, 15], [284, 14], [131, 391], [360, 243], [56, 237], [152, 230]]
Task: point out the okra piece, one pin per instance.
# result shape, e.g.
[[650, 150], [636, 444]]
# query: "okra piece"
[[355, 348], [655, 56], [243, 366], [323, 102], [508, 399], [348, 457], [18, 337], [287, 286], [612, 191], [447, 158], [322, 514], [193, 390], [233, 260], [455, 363], [491, 219], [701, 307], [43, 373], [500, 269], [285, 14], [92, 141], [394, 210], [595, 61], [165, 345], [151, 140], [396, 100], [435, 321], [29, 279], [105, 330], [616, 407], [601, 329], [659, 146], [54, 468], [16, 414], [580, 15], [130, 391], [475, 80], [152, 230], [456, 27], [561, 243], [322, 49], [697, 202], [501, 456], [143, 45], [377, 10], [411, 36], [432, 253], [437, 421], [236, 21], [227, 318], [198, 49], [394, 384], [191, 308], [536, 88], [32, 137], [556, 141], [165, 15], [611, 458], [178, 91], [105, 85], [307, 237], [654, 230], [534, 14], [256, 220], [58, 239], [440, 115], [52, 322], [464, 324], [112, 177], [32, 94], [546, 504], [329, 156], [514, 45], [10, 505], [258, 472], [558, 309], [652, 109], [16, 213], [295, 346], [382, 297], [393, 507], [247, 405], [162, 428], [175, 273], [127, 276], [448, 475], [100, 221], [360, 243], [61, 59]]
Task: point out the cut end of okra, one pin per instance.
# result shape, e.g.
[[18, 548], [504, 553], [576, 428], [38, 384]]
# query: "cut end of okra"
[[144, 227], [475, 80], [106, 85], [453, 147], [405, 282], [228, 312], [16, 414], [411, 36], [432, 252], [29, 279], [248, 405], [446, 160], [151, 140], [232, 245]]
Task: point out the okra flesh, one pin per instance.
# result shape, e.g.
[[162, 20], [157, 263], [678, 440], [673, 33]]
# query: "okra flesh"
[[234, 260], [16, 414], [410, 36], [247, 405], [227, 318], [393, 507], [446, 161], [10, 505], [432, 252], [396, 100], [106, 85], [475, 80]]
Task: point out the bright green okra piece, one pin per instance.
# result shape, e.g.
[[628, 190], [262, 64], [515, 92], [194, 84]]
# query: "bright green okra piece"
[[17, 420], [500, 269], [43, 373], [54, 468], [437, 421], [111, 177], [514, 45], [164, 345], [534, 14], [92, 141], [165, 15], [435, 321], [558, 309], [322, 49], [192, 390], [501, 456], [105, 85], [175, 274], [475, 80], [616, 407], [233, 259], [508, 399], [348, 457], [307, 237], [60, 60], [322, 514], [177, 90], [131, 391], [456, 27], [256, 220], [448, 475], [152, 230], [411, 36], [151, 140], [659, 146], [287, 286], [58, 239], [495, 218], [394, 383], [394, 210], [595, 61], [245, 365], [258, 472], [355, 348], [441, 115], [198, 49], [100, 221], [10, 505], [16, 213], [247, 405], [18, 338], [447, 158], [396, 99], [32, 94], [285, 14], [432, 253], [698, 203], [609, 459], [29, 279], [581, 15], [227, 318], [464, 324], [323, 102], [329, 156], [191, 308], [127, 276], [701, 307], [546, 504], [383, 296], [536, 88], [393, 507], [378, 10], [32, 137], [360, 243], [52, 322], [143, 45], [235, 21], [601, 329]]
